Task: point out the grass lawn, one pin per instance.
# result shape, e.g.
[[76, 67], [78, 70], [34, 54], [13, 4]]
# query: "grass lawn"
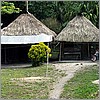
[[27, 90], [81, 86]]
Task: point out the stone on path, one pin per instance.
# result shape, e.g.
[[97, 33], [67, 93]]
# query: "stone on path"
[[95, 82]]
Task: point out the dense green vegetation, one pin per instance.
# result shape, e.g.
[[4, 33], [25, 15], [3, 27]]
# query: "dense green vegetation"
[[8, 8], [38, 53], [81, 86], [56, 14]]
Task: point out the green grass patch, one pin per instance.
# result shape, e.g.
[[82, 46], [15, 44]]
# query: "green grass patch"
[[28, 90], [81, 86]]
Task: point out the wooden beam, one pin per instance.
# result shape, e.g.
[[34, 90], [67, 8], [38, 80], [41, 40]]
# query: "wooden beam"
[[60, 52]]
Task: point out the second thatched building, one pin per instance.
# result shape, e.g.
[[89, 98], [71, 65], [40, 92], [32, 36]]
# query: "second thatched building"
[[78, 40]]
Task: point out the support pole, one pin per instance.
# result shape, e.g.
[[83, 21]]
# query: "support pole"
[[47, 62], [5, 55], [88, 51], [60, 52]]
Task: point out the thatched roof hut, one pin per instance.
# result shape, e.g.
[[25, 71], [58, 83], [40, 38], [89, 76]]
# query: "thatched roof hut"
[[79, 29], [26, 24]]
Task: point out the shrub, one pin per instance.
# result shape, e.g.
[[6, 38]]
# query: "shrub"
[[38, 53]]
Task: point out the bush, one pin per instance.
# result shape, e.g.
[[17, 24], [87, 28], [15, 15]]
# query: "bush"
[[38, 53]]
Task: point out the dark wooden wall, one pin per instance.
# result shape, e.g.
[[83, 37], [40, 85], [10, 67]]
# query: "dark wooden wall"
[[77, 51], [18, 53], [14, 53]]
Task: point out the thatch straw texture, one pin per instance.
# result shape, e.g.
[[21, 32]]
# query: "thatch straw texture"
[[26, 24], [79, 29]]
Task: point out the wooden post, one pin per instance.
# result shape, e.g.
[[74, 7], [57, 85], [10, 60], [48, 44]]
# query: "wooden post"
[[60, 52], [47, 62], [88, 51], [5, 55], [81, 51]]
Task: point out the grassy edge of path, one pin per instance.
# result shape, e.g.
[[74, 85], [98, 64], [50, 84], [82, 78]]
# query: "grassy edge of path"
[[81, 86]]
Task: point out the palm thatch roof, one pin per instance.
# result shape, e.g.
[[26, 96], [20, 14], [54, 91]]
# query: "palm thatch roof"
[[79, 29], [26, 24]]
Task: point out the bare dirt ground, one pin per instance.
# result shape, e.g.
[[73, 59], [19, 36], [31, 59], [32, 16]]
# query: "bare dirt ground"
[[70, 69], [31, 79]]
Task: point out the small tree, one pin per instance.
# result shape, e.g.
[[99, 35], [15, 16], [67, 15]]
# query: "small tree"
[[38, 53]]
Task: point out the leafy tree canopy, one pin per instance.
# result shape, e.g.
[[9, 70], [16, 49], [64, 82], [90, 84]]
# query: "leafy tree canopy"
[[8, 8], [55, 14]]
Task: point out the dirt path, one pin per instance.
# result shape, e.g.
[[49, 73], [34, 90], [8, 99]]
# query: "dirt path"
[[70, 69]]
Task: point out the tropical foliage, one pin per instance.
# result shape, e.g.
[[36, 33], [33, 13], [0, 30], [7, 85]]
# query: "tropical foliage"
[[38, 53], [8, 8], [56, 14]]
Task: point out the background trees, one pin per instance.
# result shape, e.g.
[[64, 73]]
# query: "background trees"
[[54, 14]]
